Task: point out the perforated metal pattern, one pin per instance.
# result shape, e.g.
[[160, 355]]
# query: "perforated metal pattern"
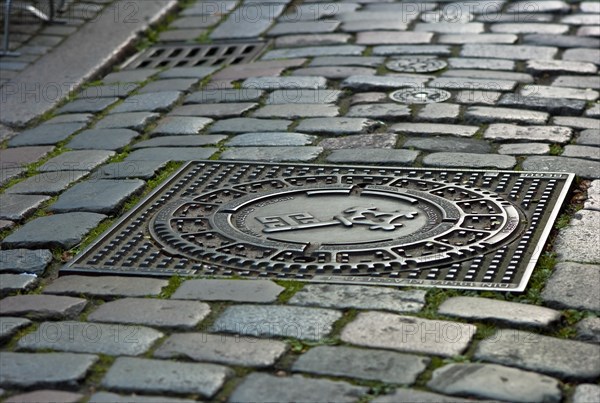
[[419, 227], [184, 55]]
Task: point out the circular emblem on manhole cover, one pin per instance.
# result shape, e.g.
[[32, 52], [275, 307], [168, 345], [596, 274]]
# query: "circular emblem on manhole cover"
[[420, 95], [336, 228], [416, 64]]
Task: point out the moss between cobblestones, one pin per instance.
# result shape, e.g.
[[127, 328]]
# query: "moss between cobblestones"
[[555, 149], [435, 363], [98, 370], [12, 344], [169, 289], [291, 288]]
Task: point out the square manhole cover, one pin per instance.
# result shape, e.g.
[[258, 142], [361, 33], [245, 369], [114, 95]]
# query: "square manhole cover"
[[343, 224], [194, 55]]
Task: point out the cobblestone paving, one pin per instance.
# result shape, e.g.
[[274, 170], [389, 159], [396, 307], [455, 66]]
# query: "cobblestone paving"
[[524, 85]]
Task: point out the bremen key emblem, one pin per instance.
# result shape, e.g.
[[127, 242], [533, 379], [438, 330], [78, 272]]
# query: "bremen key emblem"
[[368, 216]]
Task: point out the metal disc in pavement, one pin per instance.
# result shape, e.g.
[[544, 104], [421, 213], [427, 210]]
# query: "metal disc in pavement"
[[416, 64], [420, 95]]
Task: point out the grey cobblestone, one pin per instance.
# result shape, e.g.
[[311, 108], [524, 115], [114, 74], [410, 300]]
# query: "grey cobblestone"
[[303, 27], [382, 156], [244, 125], [359, 297], [131, 169], [229, 350], [187, 72], [385, 111], [23, 370], [164, 154], [168, 85], [97, 196], [91, 105], [511, 313], [214, 96], [377, 140], [303, 96], [42, 306], [178, 125], [336, 126], [10, 325], [229, 290], [489, 381], [483, 114], [524, 149], [401, 50], [586, 393], [434, 129], [480, 63], [20, 156], [285, 83], [581, 167], [334, 72], [71, 118], [559, 92], [556, 357], [439, 112], [24, 260], [131, 120], [593, 193], [489, 79], [508, 132], [366, 61], [106, 397], [17, 207], [473, 84], [157, 376], [120, 90], [299, 154], [16, 282], [46, 134], [414, 395], [470, 160], [587, 152], [152, 312], [375, 83], [106, 286], [58, 230], [408, 334], [129, 76], [589, 330], [102, 139], [514, 52], [379, 365], [449, 144], [83, 337], [578, 123], [277, 321], [180, 141], [314, 51], [263, 387], [553, 105], [592, 82], [393, 37], [303, 40], [221, 110], [296, 111], [49, 183], [81, 160], [46, 396], [460, 39], [573, 286], [271, 139], [560, 66]]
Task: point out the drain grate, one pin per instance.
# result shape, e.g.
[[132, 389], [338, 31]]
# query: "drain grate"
[[187, 55], [344, 224]]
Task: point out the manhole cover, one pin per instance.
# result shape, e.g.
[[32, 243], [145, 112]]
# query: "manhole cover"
[[416, 64], [420, 95], [343, 224], [184, 55]]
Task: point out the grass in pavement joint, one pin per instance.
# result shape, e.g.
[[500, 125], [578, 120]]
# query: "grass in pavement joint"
[[169, 289], [291, 288]]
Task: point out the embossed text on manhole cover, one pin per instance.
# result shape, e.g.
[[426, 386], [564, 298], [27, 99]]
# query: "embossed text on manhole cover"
[[342, 224], [194, 55]]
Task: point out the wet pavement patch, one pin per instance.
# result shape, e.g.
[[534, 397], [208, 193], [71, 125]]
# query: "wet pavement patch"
[[472, 229]]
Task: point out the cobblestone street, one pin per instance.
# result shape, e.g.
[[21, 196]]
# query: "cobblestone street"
[[101, 108]]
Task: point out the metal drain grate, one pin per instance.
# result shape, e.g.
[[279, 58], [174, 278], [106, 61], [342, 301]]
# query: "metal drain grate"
[[344, 224], [186, 55]]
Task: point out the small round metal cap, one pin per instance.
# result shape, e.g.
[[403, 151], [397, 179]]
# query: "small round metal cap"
[[419, 95], [416, 64]]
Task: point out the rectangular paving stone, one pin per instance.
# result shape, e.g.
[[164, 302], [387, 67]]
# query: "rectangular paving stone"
[[106, 397], [450, 27], [562, 41], [259, 387], [524, 149], [439, 112], [385, 111], [180, 141], [54, 231], [277, 321], [9, 172], [435, 128], [248, 21], [92, 105], [511, 313], [102, 139], [400, 50], [299, 154], [334, 72], [49, 183], [406, 16], [105, 286], [96, 338], [490, 380], [359, 297], [383, 156], [151, 312], [590, 137], [271, 139], [129, 76], [378, 365], [559, 92], [491, 76], [10, 325], [16, 282], [460, 39], [46, 396], [296, 111], [303, 40], [558, 106], [71, 118], [314, 51], [408, 334], [17, 207], [582, 54], [222, 349], [483, 114], [336, 125], [514, 52], [304, 27], [178, 125], [469, 160], [97, 196], [573, 285], [171, 154], [173, 84], [158, 376], [120, 90], [81, 160], [576, 151], [374, 83], [557, 357], [21, 156], [481, 63], [148, 102], [46, 134], [575, 122], [281, 83], [131, 120], [509, 132], [212, 96], [376, 140], [451, 144], [229, 290], [366, 61], [24, 260], [129, 169], [580, 167], [393, 37], [584, 82], [24, 370], [187, 72], [473, 83], [561, 66], [42, 306], [303, 96], [223, 110], [588, 330], [529, 28]]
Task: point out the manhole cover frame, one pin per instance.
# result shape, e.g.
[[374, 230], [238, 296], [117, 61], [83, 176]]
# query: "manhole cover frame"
[[532, 251], [185, 54]]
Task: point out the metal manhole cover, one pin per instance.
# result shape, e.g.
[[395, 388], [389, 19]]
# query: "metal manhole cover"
[[188, 55], [416, 64], [420, 95], [343, 224]]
